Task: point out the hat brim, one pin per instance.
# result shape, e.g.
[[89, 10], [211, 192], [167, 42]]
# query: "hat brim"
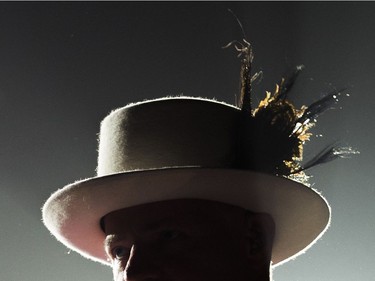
[[300, 213]]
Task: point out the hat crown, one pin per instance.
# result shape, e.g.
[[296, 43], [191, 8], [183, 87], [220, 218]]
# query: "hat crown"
[[172, 132]]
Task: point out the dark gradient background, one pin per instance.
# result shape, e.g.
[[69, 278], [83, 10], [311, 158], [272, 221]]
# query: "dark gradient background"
[[64, 66]]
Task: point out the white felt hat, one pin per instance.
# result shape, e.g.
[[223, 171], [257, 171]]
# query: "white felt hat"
[[176, 148]]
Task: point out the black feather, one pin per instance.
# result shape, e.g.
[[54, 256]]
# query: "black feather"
[[320, 106], [287, 83], [328, 154]]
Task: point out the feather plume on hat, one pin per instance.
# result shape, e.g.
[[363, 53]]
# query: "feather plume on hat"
[[280, 127]]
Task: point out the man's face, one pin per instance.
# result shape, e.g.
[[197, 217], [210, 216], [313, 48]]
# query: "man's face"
[[182, 240]]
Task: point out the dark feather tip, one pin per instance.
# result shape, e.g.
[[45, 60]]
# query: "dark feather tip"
[[329, 154], [287, 83], [320, 106]]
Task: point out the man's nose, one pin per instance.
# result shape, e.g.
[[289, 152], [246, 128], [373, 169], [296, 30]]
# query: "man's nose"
[[141, 265]]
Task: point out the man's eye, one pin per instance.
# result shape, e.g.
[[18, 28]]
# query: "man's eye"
[[120, 253]]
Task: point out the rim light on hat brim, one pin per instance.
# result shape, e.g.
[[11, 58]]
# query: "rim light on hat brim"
[[300, 213]]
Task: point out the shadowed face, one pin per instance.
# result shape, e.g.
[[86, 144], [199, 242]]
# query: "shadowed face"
[[193, 240]]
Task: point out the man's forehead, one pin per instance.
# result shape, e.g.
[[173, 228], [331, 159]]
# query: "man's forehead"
[[120, 232]]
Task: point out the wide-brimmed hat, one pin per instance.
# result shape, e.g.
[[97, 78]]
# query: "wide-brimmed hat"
[[175, 148]]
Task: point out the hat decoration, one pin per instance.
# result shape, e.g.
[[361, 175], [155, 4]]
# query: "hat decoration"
[[280, 127]]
